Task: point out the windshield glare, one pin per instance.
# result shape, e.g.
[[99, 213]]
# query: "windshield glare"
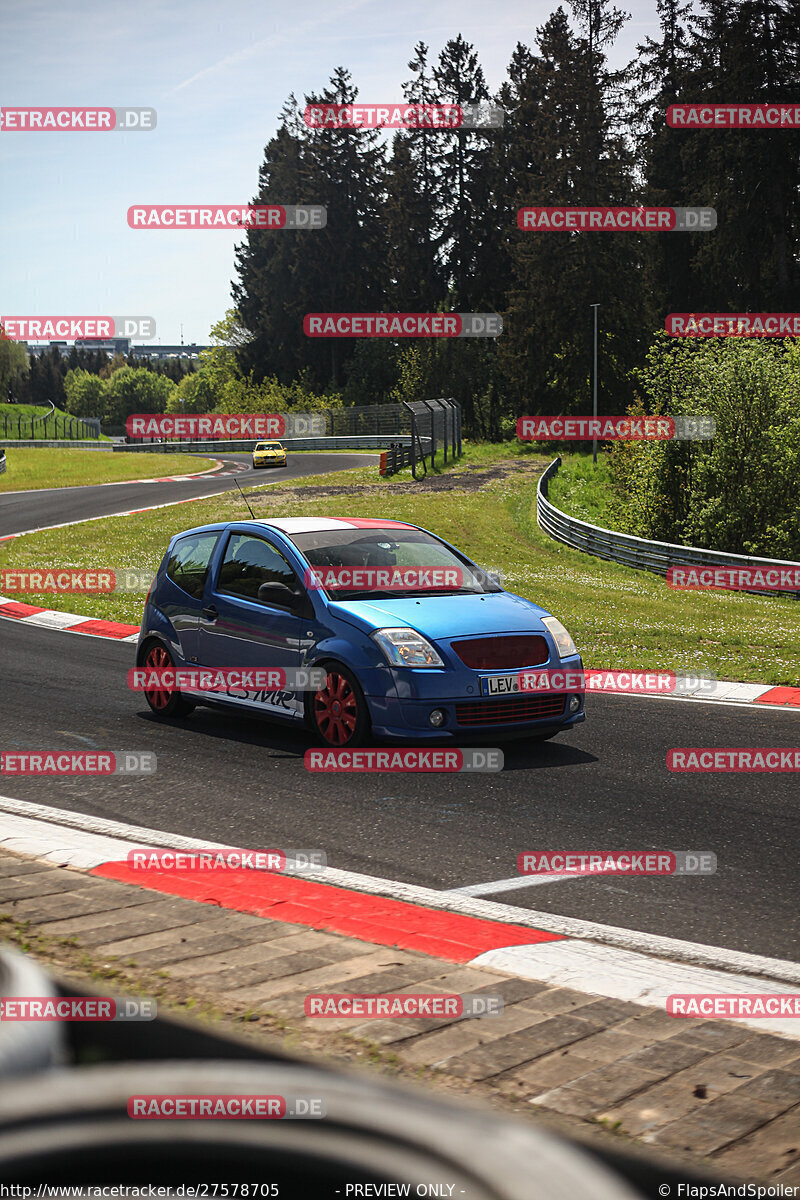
[[352, 564]]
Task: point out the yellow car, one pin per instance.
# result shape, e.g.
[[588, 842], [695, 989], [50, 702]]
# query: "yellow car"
[[269, 454]]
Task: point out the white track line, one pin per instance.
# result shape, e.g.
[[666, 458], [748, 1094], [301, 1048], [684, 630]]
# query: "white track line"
[[511, 885], [674, 949]]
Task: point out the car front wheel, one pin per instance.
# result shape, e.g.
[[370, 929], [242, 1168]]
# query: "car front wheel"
[[338, 711]]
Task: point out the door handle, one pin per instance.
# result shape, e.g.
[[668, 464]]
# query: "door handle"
[[210, 613]]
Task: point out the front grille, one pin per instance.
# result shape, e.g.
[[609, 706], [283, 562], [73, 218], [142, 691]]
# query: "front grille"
[[503, 653], [505, 712]]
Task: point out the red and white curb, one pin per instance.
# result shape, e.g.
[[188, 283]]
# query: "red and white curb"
[[761, 695], [50, 618], [601, 960]]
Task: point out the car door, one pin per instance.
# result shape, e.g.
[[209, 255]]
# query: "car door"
[[238, 630], [181, 596]]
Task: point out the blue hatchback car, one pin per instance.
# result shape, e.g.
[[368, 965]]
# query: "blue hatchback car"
[[416, 641]]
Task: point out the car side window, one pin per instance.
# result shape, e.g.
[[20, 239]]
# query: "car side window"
[[250, 561], [188, 563]]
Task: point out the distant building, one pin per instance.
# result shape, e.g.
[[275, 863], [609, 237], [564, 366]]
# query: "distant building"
[[150, 351], [112, 346]]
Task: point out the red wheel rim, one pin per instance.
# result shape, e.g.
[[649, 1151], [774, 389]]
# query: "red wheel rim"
[[336, 710], [158, 660]]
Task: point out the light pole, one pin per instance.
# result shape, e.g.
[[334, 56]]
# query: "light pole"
[[594, 384]]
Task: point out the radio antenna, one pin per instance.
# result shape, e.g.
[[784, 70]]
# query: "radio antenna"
[[249, 509]]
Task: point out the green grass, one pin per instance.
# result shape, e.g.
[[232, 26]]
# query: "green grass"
[[28, 468], [620, 618], [25, 422], [583, 490]]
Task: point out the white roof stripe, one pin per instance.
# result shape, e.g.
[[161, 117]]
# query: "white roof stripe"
[[302, 524]]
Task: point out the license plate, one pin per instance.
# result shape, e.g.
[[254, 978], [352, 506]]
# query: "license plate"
[[500, 685]]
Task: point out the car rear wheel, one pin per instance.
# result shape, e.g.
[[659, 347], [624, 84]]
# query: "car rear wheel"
[[338, 711], [164, 702]]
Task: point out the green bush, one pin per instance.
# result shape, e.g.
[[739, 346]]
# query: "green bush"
[[738, 492]]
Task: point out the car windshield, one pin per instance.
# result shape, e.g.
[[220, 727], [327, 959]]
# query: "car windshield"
[[269, 446], [356, 564]]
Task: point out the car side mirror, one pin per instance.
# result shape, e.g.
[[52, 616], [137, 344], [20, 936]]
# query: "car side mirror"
[[280, 595]]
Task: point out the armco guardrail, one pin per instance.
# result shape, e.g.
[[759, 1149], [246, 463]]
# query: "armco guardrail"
[[634, 551], [174, 446]]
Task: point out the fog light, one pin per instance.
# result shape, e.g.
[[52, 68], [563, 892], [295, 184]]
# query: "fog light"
[[574, 703], [437, 718]]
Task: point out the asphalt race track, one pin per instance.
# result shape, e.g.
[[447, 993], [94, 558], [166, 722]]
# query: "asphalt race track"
[[35, 510], [241, 781]]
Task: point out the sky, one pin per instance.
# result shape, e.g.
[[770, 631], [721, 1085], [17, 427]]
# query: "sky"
[[218, 75]]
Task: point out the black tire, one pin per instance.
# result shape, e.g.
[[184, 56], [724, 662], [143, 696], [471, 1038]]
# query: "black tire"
[[27, 1047], [338, 713], [72, 1128], [163, 702]]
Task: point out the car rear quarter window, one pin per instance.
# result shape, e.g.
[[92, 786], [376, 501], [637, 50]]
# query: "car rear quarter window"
[[250, 561], [188, 563]]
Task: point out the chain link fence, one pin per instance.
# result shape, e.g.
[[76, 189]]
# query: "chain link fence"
[[51, 426]]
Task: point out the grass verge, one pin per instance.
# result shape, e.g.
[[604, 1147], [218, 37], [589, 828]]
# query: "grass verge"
[[26, 422], [29, 468], [486, 505]]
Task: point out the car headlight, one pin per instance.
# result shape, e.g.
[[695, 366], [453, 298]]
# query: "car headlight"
[[563, 640], [406, 648]]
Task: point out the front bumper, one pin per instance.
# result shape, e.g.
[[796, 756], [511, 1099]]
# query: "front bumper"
[[387, 723], [404, 711]]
